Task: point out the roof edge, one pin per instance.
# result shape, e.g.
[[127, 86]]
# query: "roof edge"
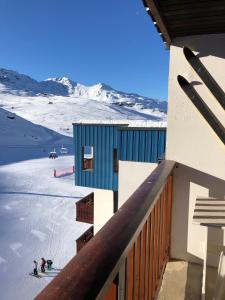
[[153, 11]]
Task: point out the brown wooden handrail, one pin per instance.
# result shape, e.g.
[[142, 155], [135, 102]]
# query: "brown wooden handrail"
[[90, 274]]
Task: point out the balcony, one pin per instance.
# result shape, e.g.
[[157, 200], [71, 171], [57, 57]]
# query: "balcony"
[[84, 238], [85, 209], [128, 256]]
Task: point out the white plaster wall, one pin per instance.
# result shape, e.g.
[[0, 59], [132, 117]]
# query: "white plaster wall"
[[190, 140], [220, 284], [192, 143], [131, 175], [103, 208], [188, 239]]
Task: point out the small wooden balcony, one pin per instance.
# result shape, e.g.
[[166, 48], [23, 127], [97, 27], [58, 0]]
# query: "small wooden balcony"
[[85, 209], [84, 238]]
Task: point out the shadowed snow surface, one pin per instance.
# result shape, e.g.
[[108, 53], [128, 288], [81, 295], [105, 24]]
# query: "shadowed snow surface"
[[22, 140], [37, 218]]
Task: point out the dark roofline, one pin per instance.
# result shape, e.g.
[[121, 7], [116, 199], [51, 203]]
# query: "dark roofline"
[[142, 128], [153, 11], [101, 124], [121, 126], [176, 18]]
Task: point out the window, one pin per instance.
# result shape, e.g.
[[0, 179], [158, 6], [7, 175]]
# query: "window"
[[87, 157], [115, 161]]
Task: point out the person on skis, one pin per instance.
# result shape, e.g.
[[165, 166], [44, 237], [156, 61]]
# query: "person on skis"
[[49, 264], [43, 263], [35, 268]]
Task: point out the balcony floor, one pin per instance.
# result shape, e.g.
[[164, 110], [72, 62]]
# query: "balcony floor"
[[183, 281]]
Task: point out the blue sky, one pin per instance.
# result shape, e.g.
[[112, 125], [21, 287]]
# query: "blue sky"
[[90, 41]]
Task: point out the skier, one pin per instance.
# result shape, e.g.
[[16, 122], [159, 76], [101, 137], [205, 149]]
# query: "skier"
[[35, 268], [43, 263], [49, 264]]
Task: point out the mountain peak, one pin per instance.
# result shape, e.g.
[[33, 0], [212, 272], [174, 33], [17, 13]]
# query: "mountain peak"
[[62, 80], [15, 83], [102, 86]]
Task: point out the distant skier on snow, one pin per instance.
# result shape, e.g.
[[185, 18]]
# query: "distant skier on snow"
[[35, 268], [49, 264], [43, 263]]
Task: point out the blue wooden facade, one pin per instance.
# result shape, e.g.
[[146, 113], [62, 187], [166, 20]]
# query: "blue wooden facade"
[[132, 144], [103, 138], [141, 144]]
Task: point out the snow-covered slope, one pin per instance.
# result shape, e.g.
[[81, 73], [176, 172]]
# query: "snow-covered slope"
[[21, 139], [37, 219], [15, 130], [57, 102]]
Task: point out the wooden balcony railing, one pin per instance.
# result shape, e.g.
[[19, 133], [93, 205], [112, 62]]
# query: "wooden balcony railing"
[[127, 257], [85, 209], [84, 238]]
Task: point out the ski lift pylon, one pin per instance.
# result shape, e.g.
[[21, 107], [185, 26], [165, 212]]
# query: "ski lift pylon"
[[63, 150]]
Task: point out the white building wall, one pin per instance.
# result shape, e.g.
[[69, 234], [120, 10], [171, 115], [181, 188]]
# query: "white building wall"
[[190, 140], [193, 143], [103, 208], [131, 175]]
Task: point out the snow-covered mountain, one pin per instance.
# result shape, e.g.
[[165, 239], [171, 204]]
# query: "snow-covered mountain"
[[57, 102], [19, 84]]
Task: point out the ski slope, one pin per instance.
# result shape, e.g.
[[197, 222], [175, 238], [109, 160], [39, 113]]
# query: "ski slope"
[[22, 140], [37, 211], [37, 218]]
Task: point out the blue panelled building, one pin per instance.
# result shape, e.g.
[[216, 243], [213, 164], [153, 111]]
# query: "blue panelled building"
[[112, 142], [113, 159]]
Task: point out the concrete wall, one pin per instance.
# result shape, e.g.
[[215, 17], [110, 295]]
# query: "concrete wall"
[[188, 239], [131, 175], [190, 140], [193, 143], [103, 208]]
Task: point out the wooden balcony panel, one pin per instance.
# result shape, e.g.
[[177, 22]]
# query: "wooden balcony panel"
[[130, 274], [85, 209], [84, 238]]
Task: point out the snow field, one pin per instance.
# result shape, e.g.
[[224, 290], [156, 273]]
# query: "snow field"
[[37, 219]]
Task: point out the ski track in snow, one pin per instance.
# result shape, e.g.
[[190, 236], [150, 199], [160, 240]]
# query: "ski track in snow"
[[15, 247], [40, 235], [36, 220], [2, 260], [7, 207]]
